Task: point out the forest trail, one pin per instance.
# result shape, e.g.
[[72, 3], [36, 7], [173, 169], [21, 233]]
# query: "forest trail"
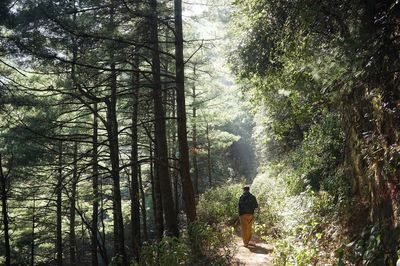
[[256, 254]]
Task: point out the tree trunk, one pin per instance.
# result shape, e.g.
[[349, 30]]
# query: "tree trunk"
[[187, 186], [95, 189], [209, 162], [156, 197], [59, 245], [72, 236], [4, 211], [112, 134], [143, 209], [32, 259], [175, 171], [194, 139], [112, 130], [161, 149], [103, 226], [135, 204]]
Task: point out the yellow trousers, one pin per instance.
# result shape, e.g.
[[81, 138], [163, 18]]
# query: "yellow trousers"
[[246, 221]]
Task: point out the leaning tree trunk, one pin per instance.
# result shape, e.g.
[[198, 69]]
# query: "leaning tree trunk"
[[187, 186], [161, 149]]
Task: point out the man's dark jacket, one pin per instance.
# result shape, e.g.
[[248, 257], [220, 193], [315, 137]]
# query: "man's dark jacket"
[[247, 203]]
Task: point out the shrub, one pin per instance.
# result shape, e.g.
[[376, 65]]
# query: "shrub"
[[270, 196], [308, 231], [367, 248], [210, 244], [169, 251], [220, 205], [200, 244]]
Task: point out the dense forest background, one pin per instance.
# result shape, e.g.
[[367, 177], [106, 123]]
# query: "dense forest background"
[[129, 127]]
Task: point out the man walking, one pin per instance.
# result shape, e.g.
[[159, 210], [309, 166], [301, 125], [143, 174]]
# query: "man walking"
[[247, 205]]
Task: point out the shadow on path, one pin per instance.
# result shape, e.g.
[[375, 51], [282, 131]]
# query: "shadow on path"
[[259, 249]]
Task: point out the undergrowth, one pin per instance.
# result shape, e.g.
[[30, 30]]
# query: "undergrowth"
[[200, 244], [205, 242]]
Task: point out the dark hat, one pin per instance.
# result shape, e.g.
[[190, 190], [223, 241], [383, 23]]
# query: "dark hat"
[[246, 188]]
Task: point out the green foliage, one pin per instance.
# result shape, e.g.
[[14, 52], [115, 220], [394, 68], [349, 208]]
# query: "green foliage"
[[201, 244], [319, 158], [270, 194], [220, 205], [367, 248], [322, 124], [307, 230], [316, 163], [169, 251], [210, 244], [303, 146], [290, 255]]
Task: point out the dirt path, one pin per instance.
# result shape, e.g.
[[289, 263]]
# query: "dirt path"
[[256, 254]]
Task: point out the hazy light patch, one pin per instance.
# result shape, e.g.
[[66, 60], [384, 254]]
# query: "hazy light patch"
[[208, 24], [207, 18], [194, 7], [284, 92], [201, 12]]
